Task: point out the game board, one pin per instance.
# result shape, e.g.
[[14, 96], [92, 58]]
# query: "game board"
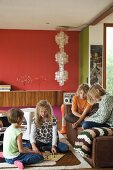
[[48, 156]]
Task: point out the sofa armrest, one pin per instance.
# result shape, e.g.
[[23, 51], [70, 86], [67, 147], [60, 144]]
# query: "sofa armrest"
[[71, 133], [102, 151]]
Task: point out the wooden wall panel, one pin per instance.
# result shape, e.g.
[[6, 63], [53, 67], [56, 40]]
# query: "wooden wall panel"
[[32, 97], [59, 98], [19, 98], [29, 98], [12, 98]]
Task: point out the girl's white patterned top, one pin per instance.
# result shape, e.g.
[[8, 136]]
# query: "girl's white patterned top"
[[105, 112]]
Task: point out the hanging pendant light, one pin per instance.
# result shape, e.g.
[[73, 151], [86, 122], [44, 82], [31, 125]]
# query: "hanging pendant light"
[[61, 58]]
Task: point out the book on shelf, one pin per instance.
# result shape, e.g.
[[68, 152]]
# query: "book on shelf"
[[5, 90], [5, 87]]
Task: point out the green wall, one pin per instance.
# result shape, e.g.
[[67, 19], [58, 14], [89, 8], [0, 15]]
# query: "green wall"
[[84, 55]]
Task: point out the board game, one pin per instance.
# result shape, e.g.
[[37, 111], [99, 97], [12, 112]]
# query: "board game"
[[48, 156]]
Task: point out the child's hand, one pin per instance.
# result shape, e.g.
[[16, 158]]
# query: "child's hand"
[[53, 149], [36, 150], [74, 125], [86, 117]]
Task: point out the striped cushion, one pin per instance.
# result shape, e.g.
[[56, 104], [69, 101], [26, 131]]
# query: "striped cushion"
[[83, 144]]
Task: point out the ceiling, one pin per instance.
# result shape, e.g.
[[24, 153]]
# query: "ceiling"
[[50, 14]]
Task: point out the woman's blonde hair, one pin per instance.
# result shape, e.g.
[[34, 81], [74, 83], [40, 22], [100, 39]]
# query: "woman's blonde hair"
[[15, 115], [84, 87], [95, 91], [43, 104]]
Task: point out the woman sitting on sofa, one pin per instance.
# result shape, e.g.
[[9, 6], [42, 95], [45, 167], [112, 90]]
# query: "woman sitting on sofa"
[[104, 115], [80, 107], [98, 124]]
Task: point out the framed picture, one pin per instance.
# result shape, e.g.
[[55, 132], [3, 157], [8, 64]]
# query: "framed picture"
[[95, 64]]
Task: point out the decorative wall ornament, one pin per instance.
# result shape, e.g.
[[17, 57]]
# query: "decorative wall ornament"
[[25, 79], [61, 58], [95, 64]]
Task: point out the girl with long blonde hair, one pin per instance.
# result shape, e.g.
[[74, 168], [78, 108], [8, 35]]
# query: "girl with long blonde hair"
[[80, 107], [104, 115], [44, 133]]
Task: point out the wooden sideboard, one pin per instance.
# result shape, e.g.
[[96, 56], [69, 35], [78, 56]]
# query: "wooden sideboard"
[[29, 98]]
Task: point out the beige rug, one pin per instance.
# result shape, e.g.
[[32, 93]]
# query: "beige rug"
[[52, 165]]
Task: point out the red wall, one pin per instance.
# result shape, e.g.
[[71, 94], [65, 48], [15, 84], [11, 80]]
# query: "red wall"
[[27, 60]]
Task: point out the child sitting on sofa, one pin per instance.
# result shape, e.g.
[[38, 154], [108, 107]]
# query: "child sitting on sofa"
[[80, 107]]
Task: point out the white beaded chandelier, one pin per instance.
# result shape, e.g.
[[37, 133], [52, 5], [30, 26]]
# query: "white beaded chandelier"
[[61, 58]]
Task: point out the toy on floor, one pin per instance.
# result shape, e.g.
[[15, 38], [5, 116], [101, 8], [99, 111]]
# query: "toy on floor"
[[48, 156]]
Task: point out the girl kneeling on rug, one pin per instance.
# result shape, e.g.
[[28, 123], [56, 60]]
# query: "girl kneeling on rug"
[[44, 134], [13, 150]]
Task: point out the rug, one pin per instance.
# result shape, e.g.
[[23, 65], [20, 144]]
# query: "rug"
[[70, 160], [67, 159]]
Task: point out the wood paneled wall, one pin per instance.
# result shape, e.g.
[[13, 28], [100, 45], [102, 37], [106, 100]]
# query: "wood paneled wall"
[[29, 98]]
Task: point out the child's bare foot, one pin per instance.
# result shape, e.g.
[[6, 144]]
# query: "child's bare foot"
[[19, 165], [1, 155]]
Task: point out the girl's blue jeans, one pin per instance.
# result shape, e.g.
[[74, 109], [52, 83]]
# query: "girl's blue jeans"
[[61, 147], [90, 124], [31, 158], [27, 158]]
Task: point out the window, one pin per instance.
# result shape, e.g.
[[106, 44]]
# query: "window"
[[108, 58]]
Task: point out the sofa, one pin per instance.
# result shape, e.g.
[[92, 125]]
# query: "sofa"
[[102, 152], [102, 147]]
